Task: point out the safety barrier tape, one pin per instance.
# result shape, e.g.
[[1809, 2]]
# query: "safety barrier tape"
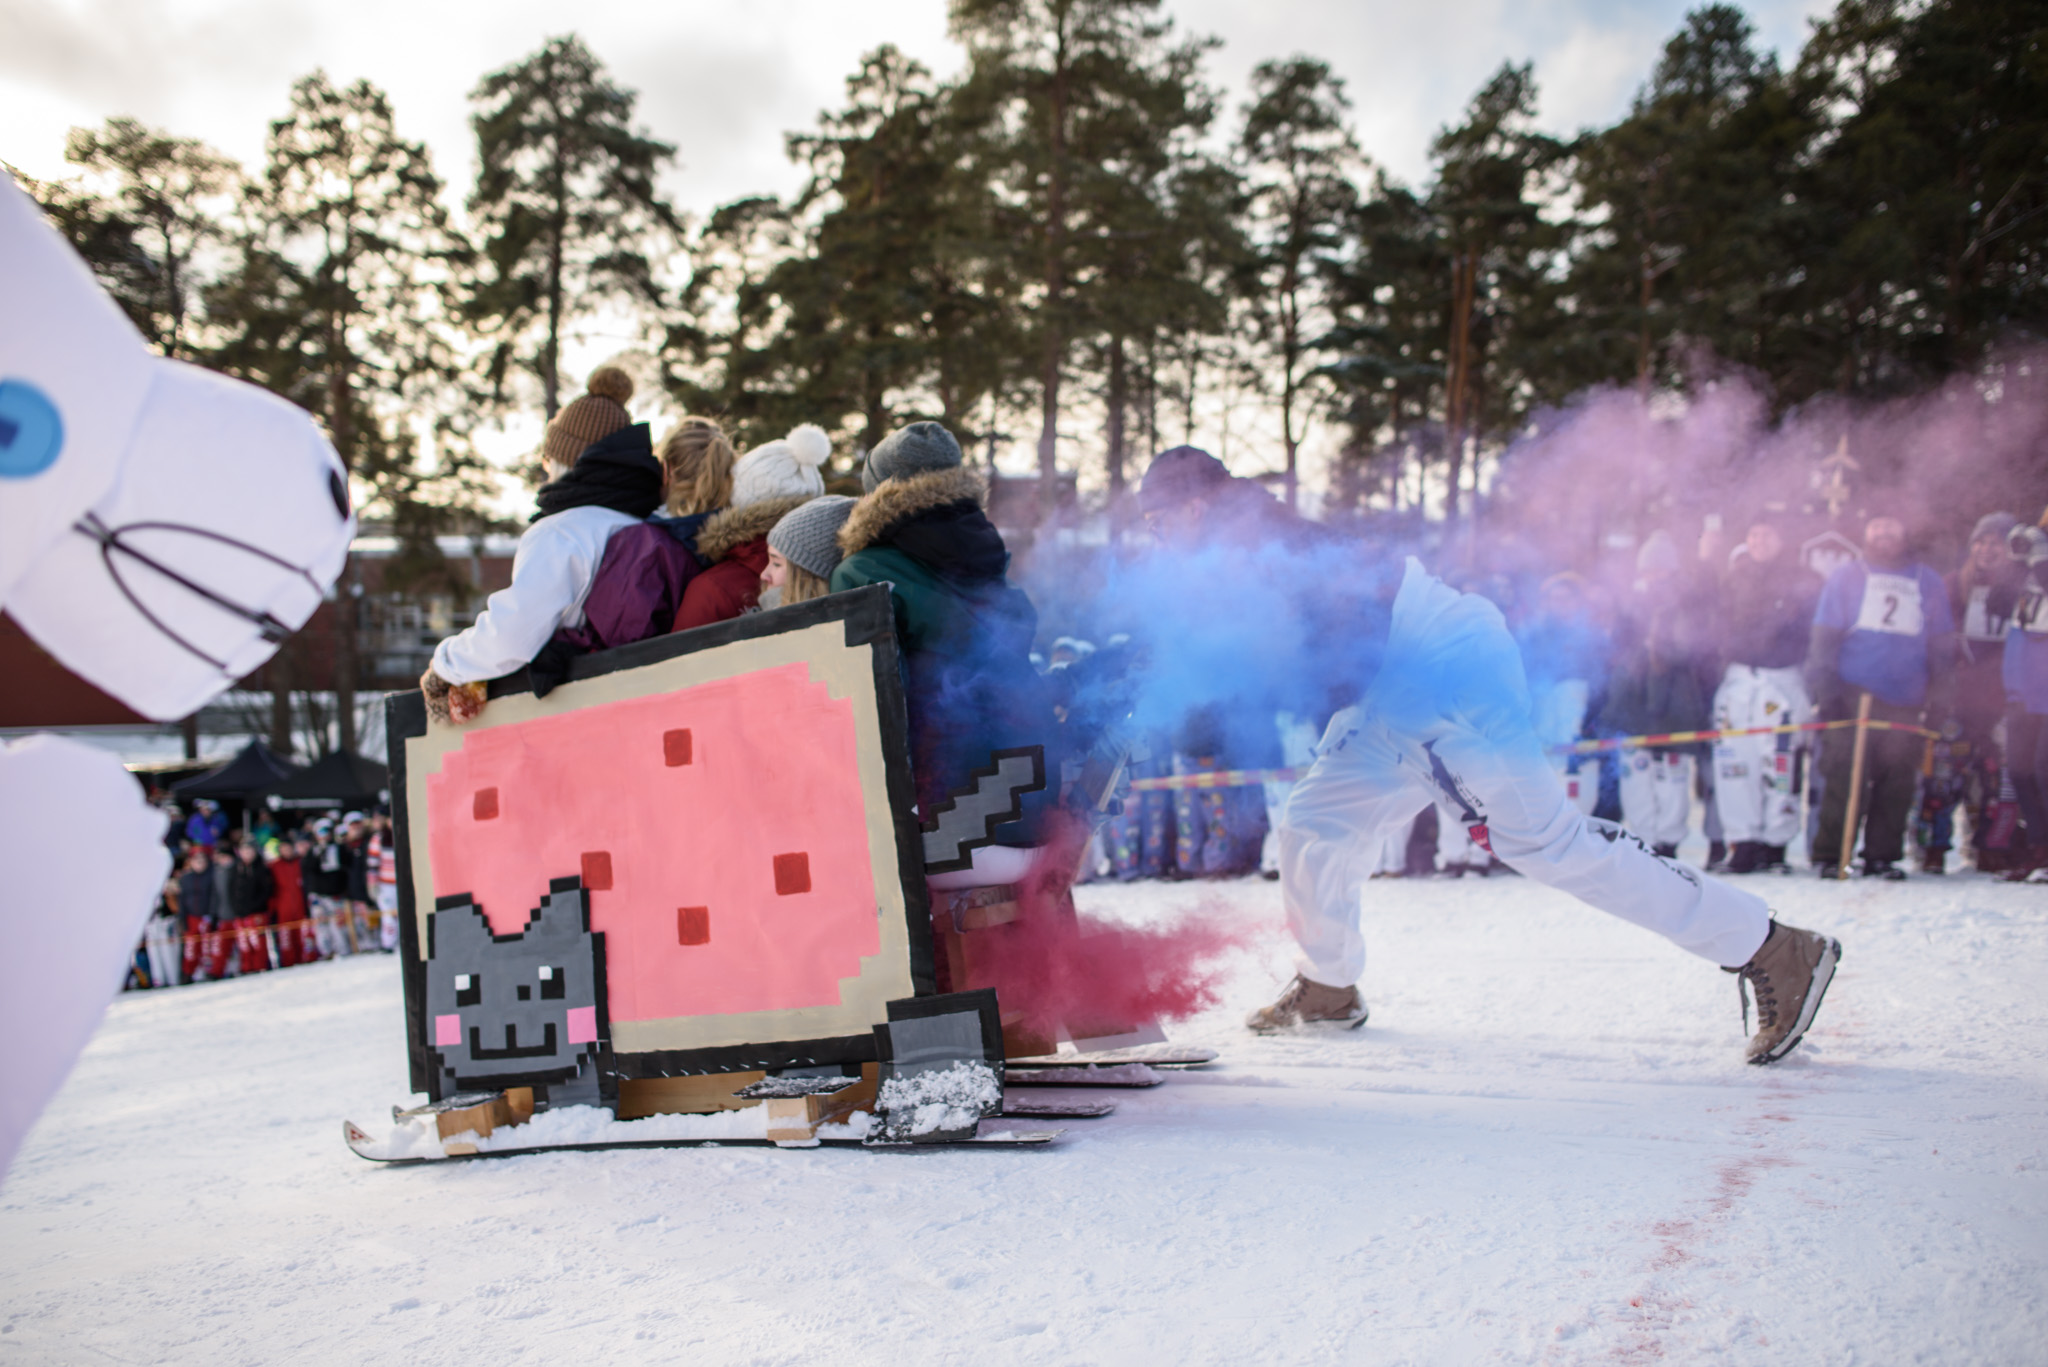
[[231, 930], [1589, 747], [1243, 778]]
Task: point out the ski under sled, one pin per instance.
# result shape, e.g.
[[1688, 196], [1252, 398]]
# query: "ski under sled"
[[988, 1136], [1142, 1066]]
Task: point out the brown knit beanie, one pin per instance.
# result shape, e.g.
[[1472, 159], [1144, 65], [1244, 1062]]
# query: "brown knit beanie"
[[595, 414]]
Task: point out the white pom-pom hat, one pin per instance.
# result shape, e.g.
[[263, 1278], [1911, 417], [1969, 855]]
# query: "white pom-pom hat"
[[785, 468]]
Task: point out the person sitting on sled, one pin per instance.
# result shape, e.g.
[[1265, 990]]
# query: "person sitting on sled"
[[1446, 716], [649, 566], [803, 550], [774, 478], [602, 478], [965, 632]]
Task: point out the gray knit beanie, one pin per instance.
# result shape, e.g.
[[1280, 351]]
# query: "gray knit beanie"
[[808, 535], [1993, 525], [911, 450]]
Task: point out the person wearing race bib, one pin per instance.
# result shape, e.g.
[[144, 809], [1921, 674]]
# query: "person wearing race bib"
[[1981, 593], [1882, 627], [2026, 684]]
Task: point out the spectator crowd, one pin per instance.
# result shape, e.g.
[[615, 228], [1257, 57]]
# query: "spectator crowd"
[[258, 897]]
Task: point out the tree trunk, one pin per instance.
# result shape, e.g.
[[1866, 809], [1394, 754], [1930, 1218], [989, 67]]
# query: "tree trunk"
[[1289, 345], [1290, 351], [1647, 291], [551, 349], [558, 231], [280, 672], [341, 425], [1055, 282], [992, 437], [1464, 274], [1114, 429], [345, 657]]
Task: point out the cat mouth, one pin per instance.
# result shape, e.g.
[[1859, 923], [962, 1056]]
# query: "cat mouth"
[[511, 1049]]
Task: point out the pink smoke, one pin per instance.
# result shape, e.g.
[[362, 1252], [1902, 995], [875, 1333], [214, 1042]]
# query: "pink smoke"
[[1615, 460]]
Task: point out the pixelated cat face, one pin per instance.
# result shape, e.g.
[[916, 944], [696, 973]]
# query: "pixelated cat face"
[[504, 1010]]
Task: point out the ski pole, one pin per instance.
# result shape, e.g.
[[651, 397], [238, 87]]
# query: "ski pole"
[[1855, 786]]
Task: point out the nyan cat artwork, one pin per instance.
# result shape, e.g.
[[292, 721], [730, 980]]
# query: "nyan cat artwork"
[[519, 1010], [700, 854]]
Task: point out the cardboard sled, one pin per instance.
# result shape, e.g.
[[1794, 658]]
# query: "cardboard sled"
[[698, 856]]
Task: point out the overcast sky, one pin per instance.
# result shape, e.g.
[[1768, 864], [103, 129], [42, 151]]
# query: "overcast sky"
[[724, 81]]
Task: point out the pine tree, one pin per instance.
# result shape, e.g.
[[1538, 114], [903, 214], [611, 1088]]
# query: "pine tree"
[[566, 205], [1299, 155], [891, 308], [1058, 88], [1682, 208], [1926, 194], [153, 207], [722, 352], [339, 303], [1486, 205], [1389, 297]]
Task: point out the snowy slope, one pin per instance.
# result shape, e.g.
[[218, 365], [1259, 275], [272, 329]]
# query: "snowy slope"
[[1544, 1148]]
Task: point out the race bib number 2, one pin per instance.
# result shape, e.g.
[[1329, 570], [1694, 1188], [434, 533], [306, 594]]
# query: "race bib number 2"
[[1891, 604]]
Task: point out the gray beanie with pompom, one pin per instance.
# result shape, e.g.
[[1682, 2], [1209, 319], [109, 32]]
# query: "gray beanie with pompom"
[[914, 450]]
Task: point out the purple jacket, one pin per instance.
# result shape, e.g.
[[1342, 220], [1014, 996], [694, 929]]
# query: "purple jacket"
[[638, 586]]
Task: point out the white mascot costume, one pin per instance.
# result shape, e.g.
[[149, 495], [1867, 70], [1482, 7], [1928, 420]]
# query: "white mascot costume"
[[162, 529]]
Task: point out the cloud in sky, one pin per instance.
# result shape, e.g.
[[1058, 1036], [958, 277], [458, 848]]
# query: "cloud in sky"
[[725, 82]]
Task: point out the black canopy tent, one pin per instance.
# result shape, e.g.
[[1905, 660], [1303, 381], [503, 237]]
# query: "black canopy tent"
[[338, 779], [258, 769]]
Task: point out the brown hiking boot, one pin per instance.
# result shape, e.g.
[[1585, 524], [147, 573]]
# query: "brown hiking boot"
[[1790, 972], [1306, 1000]]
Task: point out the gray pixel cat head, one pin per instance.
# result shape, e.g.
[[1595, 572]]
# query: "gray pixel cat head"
[[508, 1010]]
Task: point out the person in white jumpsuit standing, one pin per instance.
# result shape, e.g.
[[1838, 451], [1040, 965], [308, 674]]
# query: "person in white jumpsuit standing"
[[1767, 602], [1447, 716]]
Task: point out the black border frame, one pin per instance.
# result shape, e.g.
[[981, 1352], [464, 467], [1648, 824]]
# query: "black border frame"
[[869, 620]]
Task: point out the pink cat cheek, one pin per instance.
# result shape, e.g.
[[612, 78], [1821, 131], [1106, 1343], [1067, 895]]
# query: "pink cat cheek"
[[583, 1025], [447, 1030]]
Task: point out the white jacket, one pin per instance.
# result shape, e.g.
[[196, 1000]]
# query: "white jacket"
[[551, 575]]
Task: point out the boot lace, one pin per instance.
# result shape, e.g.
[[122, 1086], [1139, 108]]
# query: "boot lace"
[[1290, 1000], [1766, 999]]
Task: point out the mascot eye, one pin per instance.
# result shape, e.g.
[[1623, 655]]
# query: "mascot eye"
[[469, 989], [552, 984]]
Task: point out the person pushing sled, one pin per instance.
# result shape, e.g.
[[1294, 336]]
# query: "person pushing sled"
[[1446, 718]]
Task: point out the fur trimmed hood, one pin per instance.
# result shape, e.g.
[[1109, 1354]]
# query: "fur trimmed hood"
[[723, 531], [899, 500]]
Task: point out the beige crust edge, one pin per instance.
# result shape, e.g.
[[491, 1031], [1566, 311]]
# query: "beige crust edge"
[[847, 673]]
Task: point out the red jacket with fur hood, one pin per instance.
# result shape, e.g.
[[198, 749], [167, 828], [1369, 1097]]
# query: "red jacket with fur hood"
[[735, 545]]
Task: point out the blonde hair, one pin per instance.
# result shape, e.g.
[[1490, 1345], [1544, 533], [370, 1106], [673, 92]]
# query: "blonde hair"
[[803, 585], [699, 461]]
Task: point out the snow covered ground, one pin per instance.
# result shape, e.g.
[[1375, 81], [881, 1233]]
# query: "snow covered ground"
[[1544, 1148]]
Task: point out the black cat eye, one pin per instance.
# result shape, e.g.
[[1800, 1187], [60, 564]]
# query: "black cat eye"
[[552, 984], [469, 989]]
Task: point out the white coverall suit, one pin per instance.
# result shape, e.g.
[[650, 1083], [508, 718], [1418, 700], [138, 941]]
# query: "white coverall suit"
[[1753, 774], [1448, 719]]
